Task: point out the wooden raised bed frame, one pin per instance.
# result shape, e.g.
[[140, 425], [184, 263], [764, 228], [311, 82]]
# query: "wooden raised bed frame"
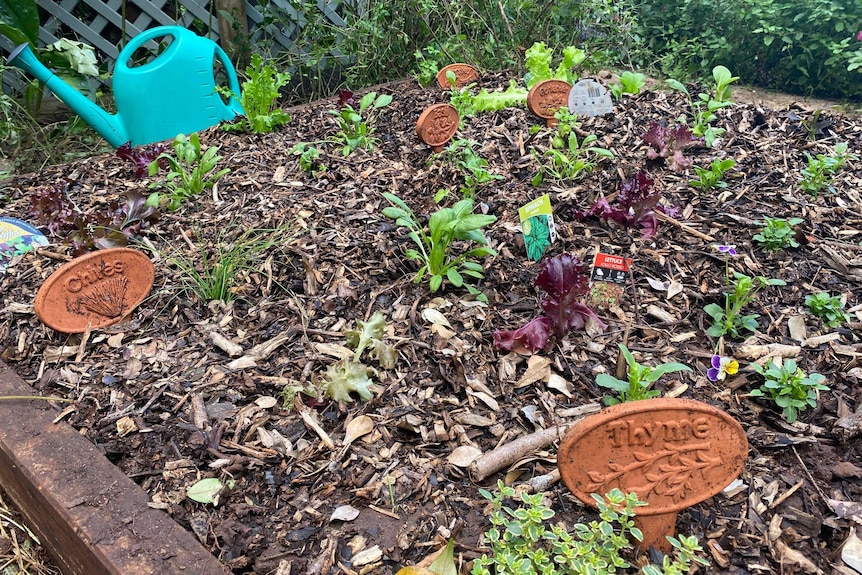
[[92, 519]]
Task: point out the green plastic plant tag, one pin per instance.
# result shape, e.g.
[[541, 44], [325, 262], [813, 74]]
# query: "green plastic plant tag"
[[537, 223]]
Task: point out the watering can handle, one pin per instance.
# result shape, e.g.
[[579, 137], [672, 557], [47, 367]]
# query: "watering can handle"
[[129, 49], [232, 81]]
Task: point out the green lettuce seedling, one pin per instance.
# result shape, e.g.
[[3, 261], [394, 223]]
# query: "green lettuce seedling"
[[344, 377], [369, 335]]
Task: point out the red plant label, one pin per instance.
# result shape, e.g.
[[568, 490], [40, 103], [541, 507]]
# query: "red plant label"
[[607, 268]]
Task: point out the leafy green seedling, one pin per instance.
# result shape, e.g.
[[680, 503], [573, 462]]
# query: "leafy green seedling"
[[568, 157], [259, 97], [190, 171], [777, 234], [729, 319], [820, 169], [357, 124], [708, 179], [828, 308], [705, 107], [789, 387], [630, 83], [640, 379], [435, 255]]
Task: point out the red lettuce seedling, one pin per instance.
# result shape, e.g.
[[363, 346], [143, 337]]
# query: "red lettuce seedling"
[[110, 227], [668, 143], [142, 156], [564, 280], [636, 205]]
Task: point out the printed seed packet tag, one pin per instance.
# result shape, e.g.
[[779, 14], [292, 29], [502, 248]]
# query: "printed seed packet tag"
[[608, 268], [589, 98], [16, 238], [537, 223]]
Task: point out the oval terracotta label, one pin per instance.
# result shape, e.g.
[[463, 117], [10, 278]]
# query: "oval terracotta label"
[[672, 452], [464, 74], [437, 124], [548, 96], [95, 290]]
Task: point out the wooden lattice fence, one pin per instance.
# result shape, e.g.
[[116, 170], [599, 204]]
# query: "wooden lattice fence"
[[100, 23]]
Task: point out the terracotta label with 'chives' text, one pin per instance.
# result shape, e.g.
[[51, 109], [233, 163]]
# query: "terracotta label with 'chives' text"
[[95, 290]]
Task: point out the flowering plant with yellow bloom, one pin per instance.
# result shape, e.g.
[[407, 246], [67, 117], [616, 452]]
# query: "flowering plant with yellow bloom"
[[722, 367]]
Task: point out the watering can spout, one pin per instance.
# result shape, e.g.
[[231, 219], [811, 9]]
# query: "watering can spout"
[[108, 126]]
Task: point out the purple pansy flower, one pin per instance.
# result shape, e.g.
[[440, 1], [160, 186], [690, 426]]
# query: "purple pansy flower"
[[722, 367], [727, 249]]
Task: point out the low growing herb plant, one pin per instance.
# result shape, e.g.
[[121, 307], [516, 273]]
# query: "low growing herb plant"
[[190, 171], [461, 153], [568, 157], [259, 97], [630, 83], [712, 177], [704, 108], [829, 308], [777, 234], [309, 157], [523, 541], [435, 253], [640, 379], [356, 121], [789, 387], [820, 169]]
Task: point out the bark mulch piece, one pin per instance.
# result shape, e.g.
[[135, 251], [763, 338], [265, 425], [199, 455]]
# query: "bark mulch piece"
[[187, 389]]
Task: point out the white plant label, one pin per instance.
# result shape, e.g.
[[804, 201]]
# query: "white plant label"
[[589, 98]]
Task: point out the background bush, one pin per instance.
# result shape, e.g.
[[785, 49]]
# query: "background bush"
[[798, 46]]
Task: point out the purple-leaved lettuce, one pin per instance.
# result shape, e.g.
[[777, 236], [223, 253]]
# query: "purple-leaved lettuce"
[[564, 280], [669, 143], [142, 156], [635, 206]]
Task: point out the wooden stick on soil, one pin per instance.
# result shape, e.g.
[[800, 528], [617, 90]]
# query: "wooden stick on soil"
[[685, 227], [509, 453]]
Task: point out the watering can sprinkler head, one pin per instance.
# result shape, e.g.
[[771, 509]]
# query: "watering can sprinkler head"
[[174, 93]]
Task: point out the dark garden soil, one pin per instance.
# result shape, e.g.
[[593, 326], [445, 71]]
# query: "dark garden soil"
[[169, 400]]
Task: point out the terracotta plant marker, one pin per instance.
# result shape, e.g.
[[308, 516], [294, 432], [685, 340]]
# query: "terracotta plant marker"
[[672, 452], [464, 74], [95, 290], [437, 124], [548, 96]]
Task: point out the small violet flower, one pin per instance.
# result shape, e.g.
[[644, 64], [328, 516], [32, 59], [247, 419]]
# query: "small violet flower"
[[345, 98], [727, 249], [859, 36], [722, 367]]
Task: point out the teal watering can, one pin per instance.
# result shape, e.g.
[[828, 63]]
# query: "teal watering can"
[[172, 94]]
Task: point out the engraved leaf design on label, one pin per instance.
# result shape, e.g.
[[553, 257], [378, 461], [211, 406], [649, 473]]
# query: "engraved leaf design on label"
[[106, 298]]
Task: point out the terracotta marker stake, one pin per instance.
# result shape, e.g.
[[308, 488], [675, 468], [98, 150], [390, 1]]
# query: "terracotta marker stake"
[[95, 290], [464, 74], [437, 124], [548, 96], [672, 453]]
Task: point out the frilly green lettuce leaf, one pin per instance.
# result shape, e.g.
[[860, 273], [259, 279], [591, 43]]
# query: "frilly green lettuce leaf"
[[344, 377]]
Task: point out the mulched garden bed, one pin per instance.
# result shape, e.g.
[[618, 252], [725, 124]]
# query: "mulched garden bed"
[[163, 399]]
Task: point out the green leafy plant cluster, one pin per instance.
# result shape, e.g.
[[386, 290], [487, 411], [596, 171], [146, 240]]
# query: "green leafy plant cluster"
[[191, 170], [707, 104], [777, 234], [829, 308], [350, 375], [712, 177], [259, 97], [729, 319], [356, 125], [818, 174], [629, 83], [801, 46], [435, 253], [213, 273], [789, 387], [523, 542], [461, 153], [309, 158], [539, 63], [640, 379], [567, 157]]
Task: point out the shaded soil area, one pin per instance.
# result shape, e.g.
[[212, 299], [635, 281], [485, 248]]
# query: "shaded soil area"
[[188, 389]]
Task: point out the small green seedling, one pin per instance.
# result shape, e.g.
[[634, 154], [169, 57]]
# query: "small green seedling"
[[777, 234], [729, 319], [705, 107], [828, 308], [640, 379], [630, 83], [788, 386], [190, 171], [568, 157], [435, 255], [712, 177], [357, 124], [820, 169], [259, 97]]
